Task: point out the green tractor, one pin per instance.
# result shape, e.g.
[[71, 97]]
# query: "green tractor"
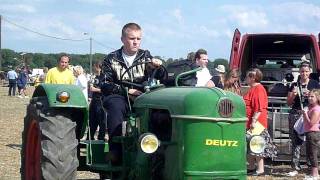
[[171, 133]]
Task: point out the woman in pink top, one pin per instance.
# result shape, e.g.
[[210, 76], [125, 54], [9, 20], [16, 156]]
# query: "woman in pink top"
[[311, 128]]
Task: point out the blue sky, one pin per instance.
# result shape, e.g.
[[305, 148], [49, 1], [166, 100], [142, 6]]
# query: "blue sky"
[[171, 28]]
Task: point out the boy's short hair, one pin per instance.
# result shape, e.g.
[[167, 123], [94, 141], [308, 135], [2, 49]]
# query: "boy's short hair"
[[132, 26]]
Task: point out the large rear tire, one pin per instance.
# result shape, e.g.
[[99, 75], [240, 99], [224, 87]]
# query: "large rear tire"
[[49, 143]]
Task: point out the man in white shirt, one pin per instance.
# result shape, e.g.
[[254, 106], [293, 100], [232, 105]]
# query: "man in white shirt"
[[12, 77], [203, 76]]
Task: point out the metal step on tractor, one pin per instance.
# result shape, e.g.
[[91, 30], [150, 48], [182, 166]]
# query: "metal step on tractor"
[[171, 133]]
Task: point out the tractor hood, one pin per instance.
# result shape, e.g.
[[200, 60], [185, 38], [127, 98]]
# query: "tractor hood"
[[207, 140], [196, 101]]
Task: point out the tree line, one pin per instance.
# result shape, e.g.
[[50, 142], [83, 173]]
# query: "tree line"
[[12, 59]]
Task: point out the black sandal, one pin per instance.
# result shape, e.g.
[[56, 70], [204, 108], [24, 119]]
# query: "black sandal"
[[251, 171]]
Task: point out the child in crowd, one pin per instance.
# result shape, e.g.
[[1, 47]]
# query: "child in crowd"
[[81, 80], [232, 81], [312, 131]]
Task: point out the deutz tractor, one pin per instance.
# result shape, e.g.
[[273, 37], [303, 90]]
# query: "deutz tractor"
[[171, 133]]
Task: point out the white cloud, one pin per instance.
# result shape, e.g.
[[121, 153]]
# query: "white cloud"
[[252, 19], [298, 10], [298, 17], [54, 27], [246, 17], [62, 28], [155, 34], [107, 23], [293, 17], [229, 33], [17, 8], [209, 32], [105, 2], [178, 15], [155, 29]]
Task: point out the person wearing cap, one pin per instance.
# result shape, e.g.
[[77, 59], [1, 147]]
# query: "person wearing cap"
[[203, 76], [219, 77]]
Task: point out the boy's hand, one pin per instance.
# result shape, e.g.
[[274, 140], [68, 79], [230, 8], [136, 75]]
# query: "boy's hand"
[[156, 62]]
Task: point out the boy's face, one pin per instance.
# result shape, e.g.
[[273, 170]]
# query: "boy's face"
[[131, 41]]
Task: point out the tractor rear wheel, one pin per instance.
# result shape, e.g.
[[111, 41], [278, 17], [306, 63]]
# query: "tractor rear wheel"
[[49, 144]]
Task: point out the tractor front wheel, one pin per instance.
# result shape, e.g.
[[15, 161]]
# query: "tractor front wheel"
[[49, 144]]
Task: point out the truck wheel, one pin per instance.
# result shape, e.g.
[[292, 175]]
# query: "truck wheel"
[[49, 144]]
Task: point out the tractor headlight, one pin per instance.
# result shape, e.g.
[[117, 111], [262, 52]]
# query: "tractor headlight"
[[257, 144], [63, 96], [149, 143]]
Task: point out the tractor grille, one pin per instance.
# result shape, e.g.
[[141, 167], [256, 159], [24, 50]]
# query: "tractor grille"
[[226, 108]]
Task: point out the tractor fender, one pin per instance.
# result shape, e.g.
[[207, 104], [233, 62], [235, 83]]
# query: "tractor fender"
[[77, 104], [77, 99]]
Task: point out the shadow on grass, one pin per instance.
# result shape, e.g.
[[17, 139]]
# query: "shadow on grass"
[[14, 146]]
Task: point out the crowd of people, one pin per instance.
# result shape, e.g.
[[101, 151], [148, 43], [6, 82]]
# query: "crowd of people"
[[105, 95], [18, 78]]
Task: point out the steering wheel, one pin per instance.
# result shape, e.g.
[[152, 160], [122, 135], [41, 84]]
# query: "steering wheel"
[[145, 84]]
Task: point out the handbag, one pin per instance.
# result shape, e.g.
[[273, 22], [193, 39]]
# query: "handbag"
[[299, 128]]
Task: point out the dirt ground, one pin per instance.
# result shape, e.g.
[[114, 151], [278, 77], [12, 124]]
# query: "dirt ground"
[[12, 112]]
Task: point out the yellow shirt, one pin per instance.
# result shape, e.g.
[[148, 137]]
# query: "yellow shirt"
[[54, 76]]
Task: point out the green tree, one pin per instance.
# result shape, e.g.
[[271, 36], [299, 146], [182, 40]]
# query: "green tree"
[[10, 59], [37, 60]]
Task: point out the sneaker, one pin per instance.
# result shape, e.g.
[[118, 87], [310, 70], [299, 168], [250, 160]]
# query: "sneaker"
[[297, 168], [310, 178], [26, 96], [292, 173], [258, 174], [19, 96]]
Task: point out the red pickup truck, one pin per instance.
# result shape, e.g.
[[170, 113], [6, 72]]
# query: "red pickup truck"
[[278, 56]]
